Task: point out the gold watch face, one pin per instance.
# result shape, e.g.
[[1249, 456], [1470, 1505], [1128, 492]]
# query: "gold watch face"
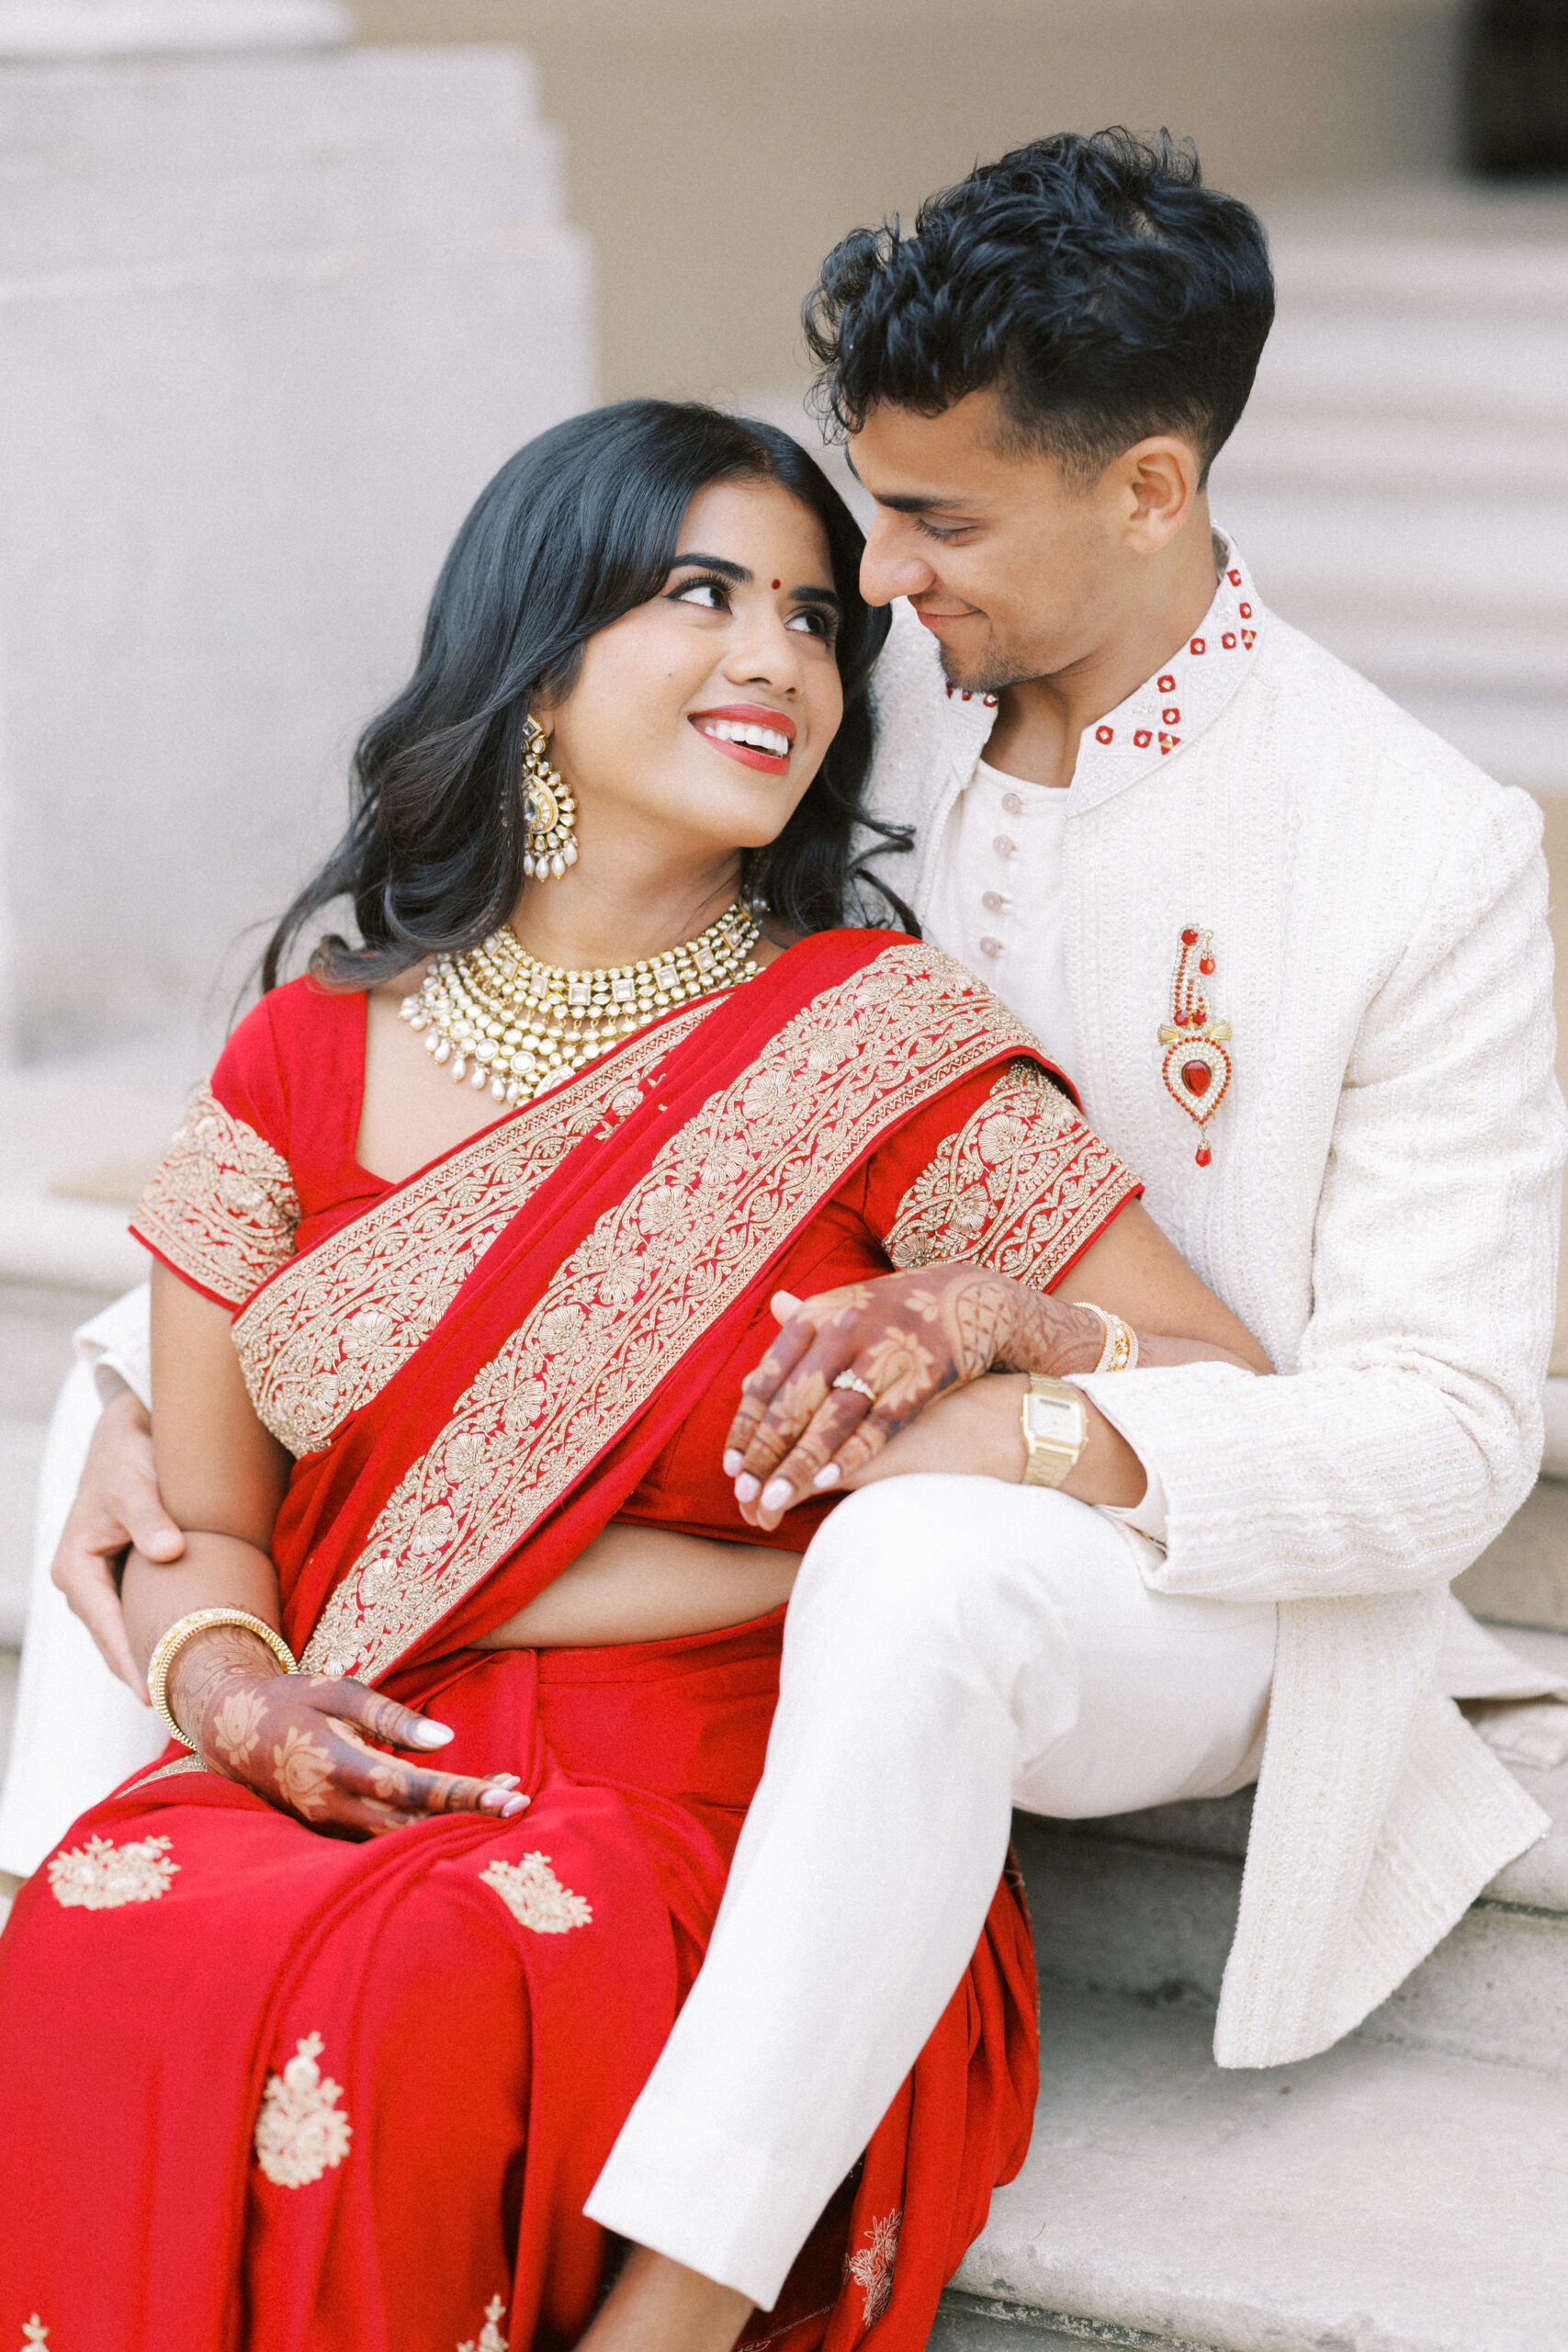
[[1056, 1420]]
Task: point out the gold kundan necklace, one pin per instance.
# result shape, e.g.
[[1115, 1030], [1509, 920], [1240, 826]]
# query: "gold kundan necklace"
[[498, 1017]]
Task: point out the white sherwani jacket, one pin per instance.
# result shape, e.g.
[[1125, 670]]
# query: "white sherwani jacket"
[[1379, 1208]]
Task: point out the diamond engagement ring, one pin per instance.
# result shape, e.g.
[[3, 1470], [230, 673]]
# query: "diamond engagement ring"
[[861, 1387]]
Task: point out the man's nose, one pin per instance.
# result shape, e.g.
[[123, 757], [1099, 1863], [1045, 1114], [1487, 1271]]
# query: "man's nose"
[[890, 566]]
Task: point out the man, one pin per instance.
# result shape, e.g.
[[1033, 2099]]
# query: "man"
[[1292, 951]]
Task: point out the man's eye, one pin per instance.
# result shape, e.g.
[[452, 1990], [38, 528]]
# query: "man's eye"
[[930, 531]]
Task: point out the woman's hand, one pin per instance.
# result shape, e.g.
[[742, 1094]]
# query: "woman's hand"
[[302, 1741], [910, 1338]]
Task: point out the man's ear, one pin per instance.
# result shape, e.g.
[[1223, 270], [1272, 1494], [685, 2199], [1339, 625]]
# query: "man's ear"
[[1158, 483]]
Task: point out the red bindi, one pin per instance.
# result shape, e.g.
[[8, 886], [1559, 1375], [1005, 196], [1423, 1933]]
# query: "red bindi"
[[778, 583]]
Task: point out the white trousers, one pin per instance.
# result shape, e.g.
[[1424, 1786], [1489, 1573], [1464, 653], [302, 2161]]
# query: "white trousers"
[[953, 1648]]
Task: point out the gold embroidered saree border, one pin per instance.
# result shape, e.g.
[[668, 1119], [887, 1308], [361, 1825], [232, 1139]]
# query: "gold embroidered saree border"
[[221, 1206], [167, 1773], [322, 1339], [721, 1198], [1023, 1186]]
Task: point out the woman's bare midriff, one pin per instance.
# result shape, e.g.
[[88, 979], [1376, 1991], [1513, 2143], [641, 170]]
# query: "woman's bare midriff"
[[644, 1584]]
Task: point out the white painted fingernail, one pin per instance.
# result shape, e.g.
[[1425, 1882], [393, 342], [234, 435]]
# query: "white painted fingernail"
[[433, 1736], [731, 1463], [828, 1476], [775, 1496], [515, 1804], [747, 1489], [492, 1799]]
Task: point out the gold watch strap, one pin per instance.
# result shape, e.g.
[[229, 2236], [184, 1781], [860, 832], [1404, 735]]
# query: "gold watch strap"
[[1055, 1420]]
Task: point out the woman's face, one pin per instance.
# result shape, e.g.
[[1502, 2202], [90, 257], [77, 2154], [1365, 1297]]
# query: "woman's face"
[[698, 719]]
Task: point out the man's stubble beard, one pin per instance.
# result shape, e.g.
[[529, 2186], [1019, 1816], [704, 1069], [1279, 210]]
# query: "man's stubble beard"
[[993, 675]]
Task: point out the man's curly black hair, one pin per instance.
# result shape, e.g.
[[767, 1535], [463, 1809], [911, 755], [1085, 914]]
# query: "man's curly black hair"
[[1093, 280]]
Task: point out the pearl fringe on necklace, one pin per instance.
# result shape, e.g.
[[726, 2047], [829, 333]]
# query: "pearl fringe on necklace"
[[498, 1017]]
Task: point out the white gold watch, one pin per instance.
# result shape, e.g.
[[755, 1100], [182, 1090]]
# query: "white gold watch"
[[1055, 1420]]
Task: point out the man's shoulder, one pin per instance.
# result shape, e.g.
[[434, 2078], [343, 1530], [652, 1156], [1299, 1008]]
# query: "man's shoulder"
[[1333, 734]]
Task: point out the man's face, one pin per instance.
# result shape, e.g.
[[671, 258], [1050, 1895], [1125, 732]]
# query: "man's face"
[[1017, 568]]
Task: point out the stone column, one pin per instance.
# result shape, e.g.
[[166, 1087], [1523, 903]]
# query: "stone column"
[[271, 311]]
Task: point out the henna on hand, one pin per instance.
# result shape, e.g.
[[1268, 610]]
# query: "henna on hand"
[[304, 1741], [910, 1338]]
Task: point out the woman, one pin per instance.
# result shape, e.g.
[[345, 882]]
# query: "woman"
[[330, 2045]]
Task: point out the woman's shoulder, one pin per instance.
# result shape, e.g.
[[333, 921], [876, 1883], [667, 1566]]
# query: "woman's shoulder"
[[300, 1043], [273, 1128]]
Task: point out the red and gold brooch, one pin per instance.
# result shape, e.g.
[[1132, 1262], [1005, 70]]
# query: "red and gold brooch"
[[1196, 1068]]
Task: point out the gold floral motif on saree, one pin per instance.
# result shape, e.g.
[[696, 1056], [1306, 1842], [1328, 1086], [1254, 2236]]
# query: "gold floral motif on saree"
[[871, 2265], [102, 1876], [323, 1340], [222, 1206], [536, 1897], [1022, 1186], [721, 1197], [490, 2337], [301, 2131]]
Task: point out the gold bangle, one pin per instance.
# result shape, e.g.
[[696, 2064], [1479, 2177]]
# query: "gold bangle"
[[1120, 1352], [175, 1636]]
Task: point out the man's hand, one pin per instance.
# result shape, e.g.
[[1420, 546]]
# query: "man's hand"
[[302, 1741], [908, 1338], [116, 1505]]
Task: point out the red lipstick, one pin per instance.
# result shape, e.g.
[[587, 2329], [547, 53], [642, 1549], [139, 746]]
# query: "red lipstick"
[[747, 714]]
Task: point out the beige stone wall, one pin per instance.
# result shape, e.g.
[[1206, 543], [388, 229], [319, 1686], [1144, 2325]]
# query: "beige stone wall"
[[716, 148]]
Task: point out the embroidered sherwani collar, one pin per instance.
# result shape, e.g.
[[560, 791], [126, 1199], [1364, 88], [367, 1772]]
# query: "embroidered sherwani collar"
[[1176, 706]]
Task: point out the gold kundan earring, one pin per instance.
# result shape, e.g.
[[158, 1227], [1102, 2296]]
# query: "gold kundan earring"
[[549, 812]]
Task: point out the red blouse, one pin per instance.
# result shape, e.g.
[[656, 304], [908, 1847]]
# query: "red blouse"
[[1000, 1170]]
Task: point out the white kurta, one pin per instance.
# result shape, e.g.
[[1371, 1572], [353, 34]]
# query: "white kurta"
[[997, 901]]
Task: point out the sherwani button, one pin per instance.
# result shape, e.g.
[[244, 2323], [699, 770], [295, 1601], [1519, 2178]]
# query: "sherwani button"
[[989, 946]]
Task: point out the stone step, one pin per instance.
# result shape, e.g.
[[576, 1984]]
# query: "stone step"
[[1372, 2200], [1145, 1905], [1522, 1578]]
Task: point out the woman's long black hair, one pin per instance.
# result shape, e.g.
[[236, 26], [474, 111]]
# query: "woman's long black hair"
[[575, 530]]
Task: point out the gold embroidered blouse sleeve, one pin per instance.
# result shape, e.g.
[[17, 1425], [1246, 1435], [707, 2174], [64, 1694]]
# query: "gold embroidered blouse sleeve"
[[1023, 1186], [221, 1209]]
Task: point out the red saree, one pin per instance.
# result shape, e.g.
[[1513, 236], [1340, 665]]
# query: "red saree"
[[274, 2090]]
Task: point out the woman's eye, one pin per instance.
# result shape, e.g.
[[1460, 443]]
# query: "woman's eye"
[[705, 593], [811, 624]]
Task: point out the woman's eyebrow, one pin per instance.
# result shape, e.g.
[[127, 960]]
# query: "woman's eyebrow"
[[721, 563], [744, 578]]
